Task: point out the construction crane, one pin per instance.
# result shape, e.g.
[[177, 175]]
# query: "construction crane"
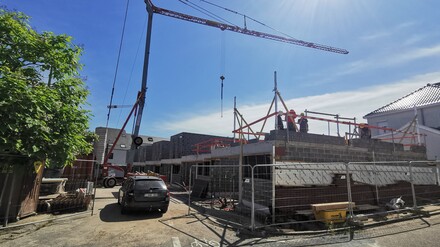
[[223, 26], [138, 107], [152, 9]]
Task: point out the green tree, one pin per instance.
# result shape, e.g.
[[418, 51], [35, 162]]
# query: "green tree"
[[42, 97]]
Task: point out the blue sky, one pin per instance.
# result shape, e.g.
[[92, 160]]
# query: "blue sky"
[[394, 49]]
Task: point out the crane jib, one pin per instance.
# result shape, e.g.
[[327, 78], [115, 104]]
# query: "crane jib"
[[246, 31]]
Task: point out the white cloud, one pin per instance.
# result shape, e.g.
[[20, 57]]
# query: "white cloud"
[[389, 60], [356, 103], [376, 35], [389, 32], [412, 55]]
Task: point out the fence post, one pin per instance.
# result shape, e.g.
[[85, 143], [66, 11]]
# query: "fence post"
[[412, 185], [437, 173], [252, 200], [375, 174], [189, 188], [350, 200], [273, 191]]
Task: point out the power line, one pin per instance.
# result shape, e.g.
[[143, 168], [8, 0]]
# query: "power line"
[[114, 82], [133, 66], [246, 17], [205, 11]]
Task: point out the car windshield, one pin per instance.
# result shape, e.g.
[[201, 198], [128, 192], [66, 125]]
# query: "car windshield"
[[150, 184]]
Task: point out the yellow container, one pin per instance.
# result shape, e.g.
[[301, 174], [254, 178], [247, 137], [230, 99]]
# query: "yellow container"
[[335, 215]]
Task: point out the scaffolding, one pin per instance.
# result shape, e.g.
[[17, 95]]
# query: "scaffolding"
[[355, 129]]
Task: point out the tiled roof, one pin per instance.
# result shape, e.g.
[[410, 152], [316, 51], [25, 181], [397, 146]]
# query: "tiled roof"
[[427, 95]]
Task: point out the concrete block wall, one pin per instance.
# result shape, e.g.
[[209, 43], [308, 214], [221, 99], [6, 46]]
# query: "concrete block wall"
[[143, 153], [318, 152], [161, 150], [376, 145], [281, 135], [184, 143]]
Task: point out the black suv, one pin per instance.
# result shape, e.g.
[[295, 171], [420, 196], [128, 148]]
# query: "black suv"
[[144, 192]]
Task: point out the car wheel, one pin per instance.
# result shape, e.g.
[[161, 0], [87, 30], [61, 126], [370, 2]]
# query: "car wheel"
[[111, 182], [164, 210], [104, 182]]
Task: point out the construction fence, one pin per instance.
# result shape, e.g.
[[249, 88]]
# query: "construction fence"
[[323, 198], [27, 188]]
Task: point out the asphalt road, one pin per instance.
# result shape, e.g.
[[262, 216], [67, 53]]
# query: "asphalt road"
[[107, 227]]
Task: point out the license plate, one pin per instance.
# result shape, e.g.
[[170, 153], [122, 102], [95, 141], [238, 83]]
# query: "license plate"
[[151, 195]]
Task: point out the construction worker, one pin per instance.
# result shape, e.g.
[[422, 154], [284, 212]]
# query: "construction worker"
[[303, 124], [290, 119], [280, 125], [365, 132]]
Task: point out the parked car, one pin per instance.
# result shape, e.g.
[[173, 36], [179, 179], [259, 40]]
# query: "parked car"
[[144, 192]]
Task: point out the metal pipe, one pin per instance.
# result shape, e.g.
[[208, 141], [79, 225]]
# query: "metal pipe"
[[273, 185], [253, 200], [276, 97], [235, 114], [411, 177], [375, 177], [350, 198], [189, 189], [337, 124], [240, 168], [145, 71]]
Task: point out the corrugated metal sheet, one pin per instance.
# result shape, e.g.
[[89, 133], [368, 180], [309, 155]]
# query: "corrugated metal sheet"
[[427, 95]]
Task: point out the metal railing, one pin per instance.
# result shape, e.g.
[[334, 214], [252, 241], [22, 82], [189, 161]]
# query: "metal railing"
[[294, 196]]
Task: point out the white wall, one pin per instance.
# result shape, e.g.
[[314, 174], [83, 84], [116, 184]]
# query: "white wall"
[[427, 116], [119, 157], [432, 142]]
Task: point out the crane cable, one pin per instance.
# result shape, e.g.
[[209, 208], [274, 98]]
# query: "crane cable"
[[205, 11], [248, 17], [222, 69], [114, 79], [222, 49], [132, 67]]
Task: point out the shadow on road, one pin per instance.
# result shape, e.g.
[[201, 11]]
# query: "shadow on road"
[[115, 194], [112, 213]]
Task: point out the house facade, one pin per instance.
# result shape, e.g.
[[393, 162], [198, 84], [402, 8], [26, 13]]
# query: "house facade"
[[121, 152], [416, 116]]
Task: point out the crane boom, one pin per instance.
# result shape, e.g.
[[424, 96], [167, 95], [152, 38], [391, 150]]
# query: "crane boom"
[[154, 9]]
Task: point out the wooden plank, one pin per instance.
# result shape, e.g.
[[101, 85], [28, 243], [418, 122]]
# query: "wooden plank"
[[331, 206]]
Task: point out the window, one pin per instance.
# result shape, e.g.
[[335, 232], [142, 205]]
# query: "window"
[[150, 184]]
